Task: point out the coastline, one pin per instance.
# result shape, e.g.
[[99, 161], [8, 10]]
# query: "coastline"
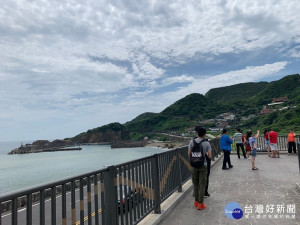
[[165, 144]]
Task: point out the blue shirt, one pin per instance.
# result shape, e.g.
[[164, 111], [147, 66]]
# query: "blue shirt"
[[225, 142]]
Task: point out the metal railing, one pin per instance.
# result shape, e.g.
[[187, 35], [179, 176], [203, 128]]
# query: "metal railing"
[[298, 147], [117, 195], [281, 143]]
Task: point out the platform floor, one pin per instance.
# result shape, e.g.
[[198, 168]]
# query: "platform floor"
[[273, 186]]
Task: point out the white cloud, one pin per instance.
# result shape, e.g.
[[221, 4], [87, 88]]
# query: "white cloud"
[[295, 52], [177, 79], [72, 57]]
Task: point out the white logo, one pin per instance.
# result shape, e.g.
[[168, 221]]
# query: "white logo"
[[196, 154]]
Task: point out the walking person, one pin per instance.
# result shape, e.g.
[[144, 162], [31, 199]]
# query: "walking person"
[[206, 194], [199, 148], [266, 136], [253, 144], [291, 142], [273, 144], [225, 144], [208, 160], [238, 137]]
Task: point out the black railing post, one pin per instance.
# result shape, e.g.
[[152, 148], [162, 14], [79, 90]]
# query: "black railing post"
[[179, 177], [53, 205], [298, 150], [155, 184], [110, 201], [14, 211], [28, 210]]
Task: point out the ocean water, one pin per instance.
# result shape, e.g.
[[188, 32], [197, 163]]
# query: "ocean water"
[[22, 171]]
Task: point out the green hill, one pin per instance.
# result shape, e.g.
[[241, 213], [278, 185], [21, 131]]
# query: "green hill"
[[241, 99], [288, 86], [189, 106], [235, 93]]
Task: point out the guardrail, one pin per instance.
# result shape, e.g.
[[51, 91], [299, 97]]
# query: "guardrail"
[[298, 148], [117, 195], [281, 143]]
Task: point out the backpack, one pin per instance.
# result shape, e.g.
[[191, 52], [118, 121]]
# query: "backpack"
[[197, 157]]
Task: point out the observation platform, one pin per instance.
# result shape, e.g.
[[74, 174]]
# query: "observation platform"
[[257, 192]]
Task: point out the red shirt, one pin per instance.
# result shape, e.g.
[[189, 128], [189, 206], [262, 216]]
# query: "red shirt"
[[243, 138], [267, 136], [273, 137]]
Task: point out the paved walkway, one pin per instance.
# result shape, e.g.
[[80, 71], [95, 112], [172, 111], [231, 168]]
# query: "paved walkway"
[[272, 186]]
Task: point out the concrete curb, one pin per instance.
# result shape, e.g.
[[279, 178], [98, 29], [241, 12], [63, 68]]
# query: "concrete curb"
[[168, 205]]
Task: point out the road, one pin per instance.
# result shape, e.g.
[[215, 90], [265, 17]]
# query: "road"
[[6, 218]]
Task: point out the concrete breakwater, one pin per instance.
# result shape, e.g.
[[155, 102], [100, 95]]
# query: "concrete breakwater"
[[57, 149], [45, 146], [97, 143], [124, 144]]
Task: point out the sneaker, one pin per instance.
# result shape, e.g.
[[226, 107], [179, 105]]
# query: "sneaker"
[[225, 168], [201, 206], [196, 203], [206, 195], [230, 166], [288, 154]]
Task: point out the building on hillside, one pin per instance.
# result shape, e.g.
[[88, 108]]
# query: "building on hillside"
[[215, 129], [283, 108], [229, 117], [280, 99], [266, 111], [250, 116], [207, 122], [222, 124], [275, 103]]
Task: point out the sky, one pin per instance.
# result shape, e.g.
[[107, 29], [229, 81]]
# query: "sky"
[[69, 66]]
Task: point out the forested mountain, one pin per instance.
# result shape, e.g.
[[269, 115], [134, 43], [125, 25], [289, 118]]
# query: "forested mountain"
[[237, 92], [241, 99], [288, 86]]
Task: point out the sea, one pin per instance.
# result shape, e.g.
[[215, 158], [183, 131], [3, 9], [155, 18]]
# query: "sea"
[[27, 170]]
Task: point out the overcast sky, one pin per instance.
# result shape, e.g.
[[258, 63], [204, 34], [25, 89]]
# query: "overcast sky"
[[69, 66]]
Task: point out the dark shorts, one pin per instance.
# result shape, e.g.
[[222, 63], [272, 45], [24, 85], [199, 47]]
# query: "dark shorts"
[[253, 152]]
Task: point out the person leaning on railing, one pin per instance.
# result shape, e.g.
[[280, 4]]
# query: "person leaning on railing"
[[291, 142]]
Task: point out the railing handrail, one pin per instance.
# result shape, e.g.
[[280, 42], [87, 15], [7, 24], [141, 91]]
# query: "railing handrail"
[[36, 188]]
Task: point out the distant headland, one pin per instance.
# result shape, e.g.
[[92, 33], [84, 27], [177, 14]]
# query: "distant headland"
[[45, 146]]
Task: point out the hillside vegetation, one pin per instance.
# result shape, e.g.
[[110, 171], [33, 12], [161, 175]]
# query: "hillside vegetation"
[[241, 99]]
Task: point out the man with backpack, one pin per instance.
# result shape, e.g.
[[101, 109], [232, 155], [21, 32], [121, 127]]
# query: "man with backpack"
[[199, 148]]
